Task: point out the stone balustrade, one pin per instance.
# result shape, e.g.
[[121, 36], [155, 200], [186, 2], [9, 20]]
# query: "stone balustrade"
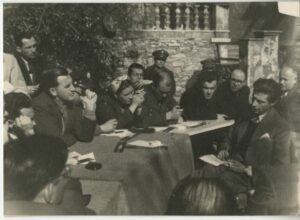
[[185, 16]]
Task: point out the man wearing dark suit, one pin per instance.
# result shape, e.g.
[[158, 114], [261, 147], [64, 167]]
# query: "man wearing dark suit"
[[289, 104], [35, 179], [159, 107], [57, 115], [198, 102], [260, 145], [233, 95], [30, 63], [160, 57]]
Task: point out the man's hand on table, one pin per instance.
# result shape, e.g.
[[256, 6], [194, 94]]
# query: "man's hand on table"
[[238, 167], [174, 114], [223, 155], [109, 126]]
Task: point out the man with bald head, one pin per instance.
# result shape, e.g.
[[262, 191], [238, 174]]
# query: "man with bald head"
[[159, 107], [233, 95], [289, 104]]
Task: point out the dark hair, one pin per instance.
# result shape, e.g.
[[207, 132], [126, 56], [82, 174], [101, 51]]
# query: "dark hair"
[[102, 72], [49, 78], [18, 37], [135, 66], [30, 164], [124, 84], [201, 196], [269, 87], [206, 75], [14, 102]]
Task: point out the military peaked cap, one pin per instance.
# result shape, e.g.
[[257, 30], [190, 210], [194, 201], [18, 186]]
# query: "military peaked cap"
[[160, 54]]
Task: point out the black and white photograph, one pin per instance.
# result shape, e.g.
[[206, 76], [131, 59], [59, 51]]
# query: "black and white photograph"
[[163, 108]]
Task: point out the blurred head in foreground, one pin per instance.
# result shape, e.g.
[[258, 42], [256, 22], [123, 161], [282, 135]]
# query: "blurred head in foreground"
[[201, 196]]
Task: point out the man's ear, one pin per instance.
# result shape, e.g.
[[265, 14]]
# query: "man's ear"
[[18, 48], [53, 91]]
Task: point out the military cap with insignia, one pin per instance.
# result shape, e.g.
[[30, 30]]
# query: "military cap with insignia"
[[160, 55]]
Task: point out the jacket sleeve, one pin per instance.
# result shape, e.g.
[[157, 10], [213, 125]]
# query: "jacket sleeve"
[[280, 155], [126, 119], [49, 124], [152, 113], [84, 128], [105, 111], [187, 106]]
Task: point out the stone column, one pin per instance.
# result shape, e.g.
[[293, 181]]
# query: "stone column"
[[222, 16], [269, 53], [260, 56], [135, 12]]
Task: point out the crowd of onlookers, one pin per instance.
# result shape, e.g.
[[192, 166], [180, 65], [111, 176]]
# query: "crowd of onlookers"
[[47, 109]]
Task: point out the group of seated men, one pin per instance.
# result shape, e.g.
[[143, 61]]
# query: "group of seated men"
[[54, 103]]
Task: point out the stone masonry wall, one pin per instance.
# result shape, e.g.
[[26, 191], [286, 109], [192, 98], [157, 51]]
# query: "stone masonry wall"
[[185, 51]]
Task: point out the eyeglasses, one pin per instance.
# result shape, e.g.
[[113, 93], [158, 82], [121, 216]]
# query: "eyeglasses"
[[237, 81]]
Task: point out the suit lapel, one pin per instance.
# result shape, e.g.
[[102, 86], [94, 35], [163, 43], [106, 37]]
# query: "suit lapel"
[[58, 114], [24, 70], [242, 128], [263, 126]]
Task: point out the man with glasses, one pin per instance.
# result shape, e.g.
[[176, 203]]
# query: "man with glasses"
[[233, 95]]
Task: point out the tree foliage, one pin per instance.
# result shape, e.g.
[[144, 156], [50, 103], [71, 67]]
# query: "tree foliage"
[[69, 34]]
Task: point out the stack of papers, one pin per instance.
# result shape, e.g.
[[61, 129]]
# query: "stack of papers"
[[212, 159], [77, 158], [145, 144], [122, 133]]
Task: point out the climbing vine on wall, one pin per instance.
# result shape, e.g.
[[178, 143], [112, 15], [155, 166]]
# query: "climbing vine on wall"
[[68, 34]]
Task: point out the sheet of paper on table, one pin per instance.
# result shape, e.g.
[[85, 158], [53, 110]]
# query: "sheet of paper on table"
[[75, 158], [212, 159], [159, 129], [145, 144], [122, 133], [188, 124], [198, 127]]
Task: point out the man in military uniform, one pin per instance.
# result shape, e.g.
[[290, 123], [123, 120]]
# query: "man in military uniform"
[[160, 57]]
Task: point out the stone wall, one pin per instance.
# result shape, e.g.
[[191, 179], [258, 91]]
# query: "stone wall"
[[186, 50]]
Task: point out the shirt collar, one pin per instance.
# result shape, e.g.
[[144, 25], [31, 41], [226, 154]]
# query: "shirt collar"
[[62, 106], [261, 117], [26, 63]]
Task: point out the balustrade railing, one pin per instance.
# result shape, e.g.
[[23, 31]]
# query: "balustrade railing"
[[179, 16]]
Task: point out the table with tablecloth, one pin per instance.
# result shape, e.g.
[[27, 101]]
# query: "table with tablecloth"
[[137, 181]]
